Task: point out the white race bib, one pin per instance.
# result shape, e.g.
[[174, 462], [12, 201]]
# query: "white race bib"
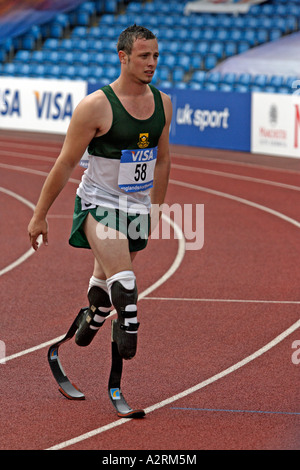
[[137, 169]]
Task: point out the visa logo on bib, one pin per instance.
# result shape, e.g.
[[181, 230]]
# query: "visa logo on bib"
[[143, 155]]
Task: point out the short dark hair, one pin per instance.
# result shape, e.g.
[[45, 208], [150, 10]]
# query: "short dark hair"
[[130, 34]]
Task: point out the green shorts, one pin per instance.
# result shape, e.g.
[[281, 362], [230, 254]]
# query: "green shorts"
[[136, 227]]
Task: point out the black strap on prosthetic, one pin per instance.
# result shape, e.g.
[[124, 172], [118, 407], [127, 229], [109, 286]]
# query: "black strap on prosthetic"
[[121, 297], [132, 326], [98, 298]]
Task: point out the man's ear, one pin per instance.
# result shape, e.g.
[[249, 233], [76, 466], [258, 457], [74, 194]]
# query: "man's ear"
[[122, 57]]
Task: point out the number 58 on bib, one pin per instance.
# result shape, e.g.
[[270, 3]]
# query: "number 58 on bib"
[[137, 169]]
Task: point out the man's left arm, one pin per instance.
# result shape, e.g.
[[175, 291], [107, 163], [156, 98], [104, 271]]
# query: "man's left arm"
[[163, 164]]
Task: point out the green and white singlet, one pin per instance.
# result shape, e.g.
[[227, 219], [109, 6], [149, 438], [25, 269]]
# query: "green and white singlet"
[[121, 162]]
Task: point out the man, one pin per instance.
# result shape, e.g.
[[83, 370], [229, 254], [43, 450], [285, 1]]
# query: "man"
[[125, 127]]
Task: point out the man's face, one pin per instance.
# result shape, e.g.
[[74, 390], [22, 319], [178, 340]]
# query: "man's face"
[[142, 61]]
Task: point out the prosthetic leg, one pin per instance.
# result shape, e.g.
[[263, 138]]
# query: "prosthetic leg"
[[93, 317], [121, 347]]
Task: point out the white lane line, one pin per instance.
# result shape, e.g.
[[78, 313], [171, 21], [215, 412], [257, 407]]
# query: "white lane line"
[[280, 215], [224, 174], [246, 301], [27, 156], [183, 394], [173, 268], [235, 163], [31, 251], [32, 172]]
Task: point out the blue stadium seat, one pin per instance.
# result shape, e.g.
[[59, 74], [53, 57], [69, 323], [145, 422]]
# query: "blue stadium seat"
[[187, 47], [196, 61], [38, 57], [213, 77], [229, 78], [208, 34], [110, 6], [56, 30], [242, 88], [183, 61], [81, 17], [236, 34], [163, 73], [211, 86], [202, 47], [22, 56], [249, 35], [226, 87], [260, 80], [134, 7], [54, 57], [276, 81], [166, 84], [244, 79], [230, 48], [195, 85], [284, 90], [180, 85], [51, 43], [198, 76], [242, 46], [9, 69], [22, 70], [270, 89], [275, 34], [37, 71], [262, 36], [178, 74], [217, 48], [110, 19], [210, 61], [28, 41], [292, 82], [168, 59], [181, 34], [80, 32], [222, 34]]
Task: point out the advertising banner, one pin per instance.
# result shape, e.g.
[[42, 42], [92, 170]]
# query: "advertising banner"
[[211, 119], [38, 105], [220, 6], [275, 125]]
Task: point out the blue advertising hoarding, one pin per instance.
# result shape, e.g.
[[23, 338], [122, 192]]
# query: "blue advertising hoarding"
[[211, 119]]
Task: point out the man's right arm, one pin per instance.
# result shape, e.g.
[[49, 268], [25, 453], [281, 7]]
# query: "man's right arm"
[[85, 123]]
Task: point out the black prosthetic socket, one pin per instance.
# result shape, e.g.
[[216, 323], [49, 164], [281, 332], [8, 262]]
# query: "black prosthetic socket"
[[124, 333], [87, 325]]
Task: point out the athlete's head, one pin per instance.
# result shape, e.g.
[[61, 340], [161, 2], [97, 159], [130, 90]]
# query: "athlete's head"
[[138, 54], [131, 34]]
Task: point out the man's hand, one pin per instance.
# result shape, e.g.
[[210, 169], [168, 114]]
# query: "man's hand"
[[36, 228]]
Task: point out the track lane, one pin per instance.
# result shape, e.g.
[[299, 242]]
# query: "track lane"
[[187, 281]]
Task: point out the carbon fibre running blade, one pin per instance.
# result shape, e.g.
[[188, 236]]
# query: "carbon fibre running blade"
[[68, 389], [114, 389], [122, 407]]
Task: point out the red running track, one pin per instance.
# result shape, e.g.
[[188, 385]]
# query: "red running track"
[[218, 359]]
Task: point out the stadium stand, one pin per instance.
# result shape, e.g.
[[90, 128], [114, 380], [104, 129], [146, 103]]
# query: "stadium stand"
[[80, 44]]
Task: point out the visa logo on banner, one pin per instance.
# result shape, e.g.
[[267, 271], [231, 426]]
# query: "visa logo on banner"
[[39, 105], [10, 102], [53, 105]]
